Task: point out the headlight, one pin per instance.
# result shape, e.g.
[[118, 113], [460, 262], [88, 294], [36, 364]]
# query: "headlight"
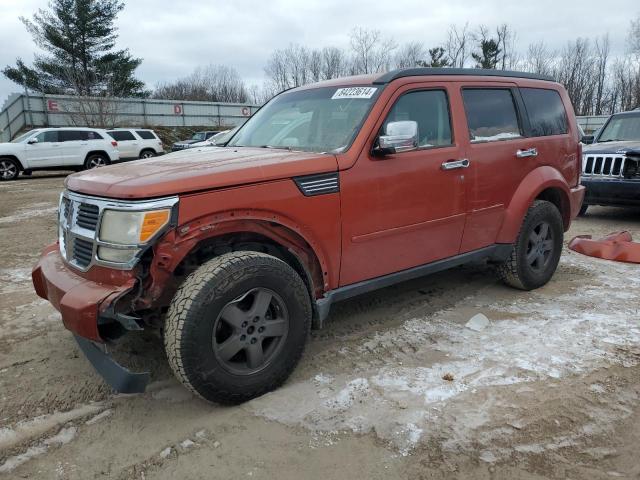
[[132, 228]]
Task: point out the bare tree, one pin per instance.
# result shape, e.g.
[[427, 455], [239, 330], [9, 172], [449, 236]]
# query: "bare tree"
[[371, 52], [410, 55], [213, 83], [602, 58], [506, 39], [458, 45], [334, 63], [539, 59]]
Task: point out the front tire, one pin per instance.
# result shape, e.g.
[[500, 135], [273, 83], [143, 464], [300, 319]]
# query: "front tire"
[[536, 253], [237, 327], [96, 160], [9, 169]]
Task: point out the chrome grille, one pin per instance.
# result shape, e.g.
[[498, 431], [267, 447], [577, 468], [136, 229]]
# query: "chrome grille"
[[79, 224], [88, 216], [603, 165]]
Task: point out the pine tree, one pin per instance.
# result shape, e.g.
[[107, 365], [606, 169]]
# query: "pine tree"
[[489, 54], [79, 39]]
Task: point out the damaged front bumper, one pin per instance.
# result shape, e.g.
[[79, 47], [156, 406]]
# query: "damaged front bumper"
[[84, 304]]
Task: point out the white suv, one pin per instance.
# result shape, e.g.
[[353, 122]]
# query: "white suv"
[[136, 143], [56, 149]]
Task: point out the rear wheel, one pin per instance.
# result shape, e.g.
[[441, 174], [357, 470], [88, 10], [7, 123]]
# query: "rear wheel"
[[237, 326], [536, 253], [9, 169], [147, 154], [96, 160]]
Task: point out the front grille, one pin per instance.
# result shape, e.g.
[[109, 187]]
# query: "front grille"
[[604, 165], [82, 252], [88, 216]]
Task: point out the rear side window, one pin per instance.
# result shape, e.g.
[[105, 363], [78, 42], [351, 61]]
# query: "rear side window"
[[545, 110], [146, 134], [121, 135], [491, 114], [430, 109], [90, 135], [71, 135]]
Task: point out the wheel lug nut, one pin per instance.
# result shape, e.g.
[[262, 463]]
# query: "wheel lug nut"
[[253, 340], [243, 337], [261, 329], [244, 324], [256, 319]]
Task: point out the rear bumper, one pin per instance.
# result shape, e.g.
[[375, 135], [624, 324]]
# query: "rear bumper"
[[577, 197], [79, 300], [611, 191]]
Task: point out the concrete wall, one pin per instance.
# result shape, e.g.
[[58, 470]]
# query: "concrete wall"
[[22, 110]]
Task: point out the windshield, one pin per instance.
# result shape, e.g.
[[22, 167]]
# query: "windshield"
[[24, 136], [200, 136], [317, 120], [621, 128]]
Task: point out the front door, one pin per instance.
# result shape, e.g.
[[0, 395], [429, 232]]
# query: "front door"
[[405, 209], [46, 152]]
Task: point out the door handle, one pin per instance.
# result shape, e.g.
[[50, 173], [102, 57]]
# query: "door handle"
[[453, 164], [530, 152]]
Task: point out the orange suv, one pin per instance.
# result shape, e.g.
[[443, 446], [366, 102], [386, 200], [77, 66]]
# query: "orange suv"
[[329, 191]]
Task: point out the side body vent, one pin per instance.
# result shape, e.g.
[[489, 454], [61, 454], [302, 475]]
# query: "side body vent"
[[320, 184]]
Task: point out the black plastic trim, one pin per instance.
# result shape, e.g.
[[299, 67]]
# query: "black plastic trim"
[[116, 376], [320, 184], [498, 252], [425, 71]]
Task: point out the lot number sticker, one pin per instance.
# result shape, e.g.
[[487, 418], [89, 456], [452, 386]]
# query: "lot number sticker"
[[354, 92]]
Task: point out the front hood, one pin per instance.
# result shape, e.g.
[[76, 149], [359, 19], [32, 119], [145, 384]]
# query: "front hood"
[[186, 142], [197, 169], [8, 147], [611, 147]]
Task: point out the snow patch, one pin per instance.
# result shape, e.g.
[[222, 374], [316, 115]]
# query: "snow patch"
[[35, 210]]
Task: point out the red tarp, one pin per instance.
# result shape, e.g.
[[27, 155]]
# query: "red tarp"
[[616, 246]]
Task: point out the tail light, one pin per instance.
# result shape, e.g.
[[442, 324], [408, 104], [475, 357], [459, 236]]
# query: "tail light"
[[114, 143]]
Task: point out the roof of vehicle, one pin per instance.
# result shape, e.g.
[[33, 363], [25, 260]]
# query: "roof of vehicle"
[[384, 78], [125, 129], [91, 129], [635, 112], [476, 72]]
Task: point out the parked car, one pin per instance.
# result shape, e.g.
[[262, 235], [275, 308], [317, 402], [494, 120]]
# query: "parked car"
[[56, 149], [218, 140], [137, 143], [611, 164], [196, 137], [329, 191]]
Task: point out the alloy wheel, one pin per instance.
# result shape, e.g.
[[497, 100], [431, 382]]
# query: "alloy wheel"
[[8, 169], [250, 331], [540, 246]]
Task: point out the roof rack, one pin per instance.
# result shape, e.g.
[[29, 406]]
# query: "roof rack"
[[420, 71]]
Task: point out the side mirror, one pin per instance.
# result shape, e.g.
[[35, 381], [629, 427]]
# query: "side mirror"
[[587, 139], [399, 137], [32, 141]]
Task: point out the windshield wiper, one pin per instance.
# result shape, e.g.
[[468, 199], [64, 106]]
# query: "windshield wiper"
[[611, 140]]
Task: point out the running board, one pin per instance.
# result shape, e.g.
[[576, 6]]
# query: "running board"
[[497, 253]]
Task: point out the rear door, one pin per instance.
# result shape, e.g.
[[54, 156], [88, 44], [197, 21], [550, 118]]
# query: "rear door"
[[74, 146], [498, 160], [128, 145]]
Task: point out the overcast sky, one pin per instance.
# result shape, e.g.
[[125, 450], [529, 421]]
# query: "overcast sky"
[[173, 37]]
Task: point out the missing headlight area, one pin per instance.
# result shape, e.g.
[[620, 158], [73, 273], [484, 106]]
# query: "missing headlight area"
[[632, 165]]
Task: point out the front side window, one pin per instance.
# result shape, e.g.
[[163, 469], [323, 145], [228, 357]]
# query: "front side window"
[[91, 135], [621, 128], [545, 110], [48, 137], [430, 110], [321, 120], [491, 114], [121, 135]]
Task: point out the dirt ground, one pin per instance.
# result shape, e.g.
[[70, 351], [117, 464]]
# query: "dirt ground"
[[549, 388]]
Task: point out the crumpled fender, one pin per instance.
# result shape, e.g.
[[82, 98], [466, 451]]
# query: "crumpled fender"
[[617, 246]]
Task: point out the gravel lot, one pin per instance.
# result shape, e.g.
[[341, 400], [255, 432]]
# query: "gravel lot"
[[549, 388]]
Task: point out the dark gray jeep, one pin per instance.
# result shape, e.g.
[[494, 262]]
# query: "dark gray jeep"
[[611, 165]]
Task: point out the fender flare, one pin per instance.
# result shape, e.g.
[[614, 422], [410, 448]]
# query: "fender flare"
[[537, 181], [174, 247]]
